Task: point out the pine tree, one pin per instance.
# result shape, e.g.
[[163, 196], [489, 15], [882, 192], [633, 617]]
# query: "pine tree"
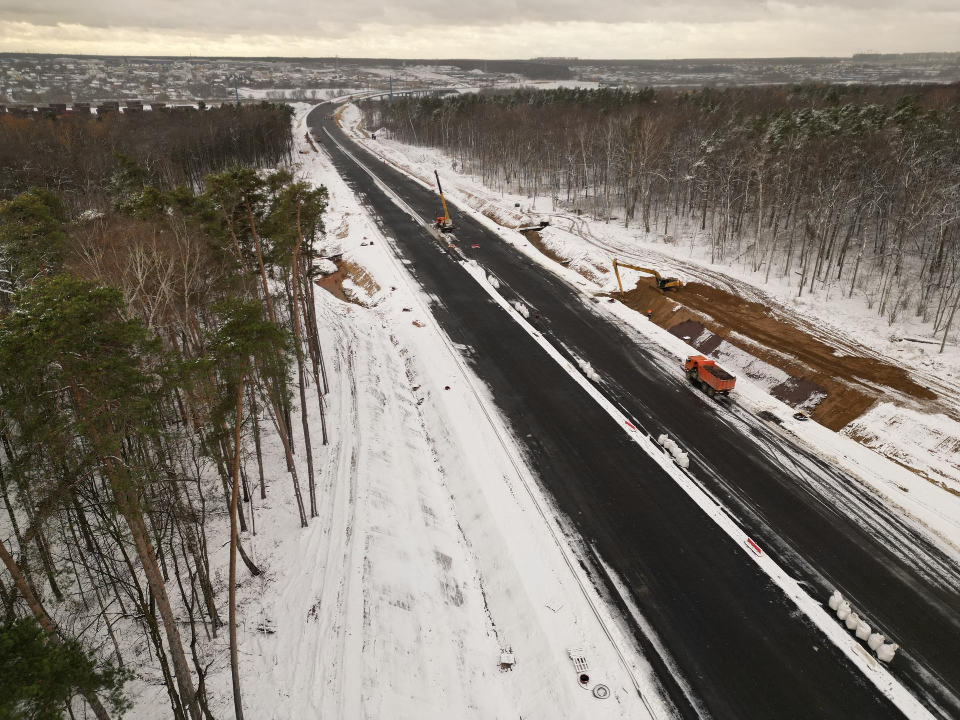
[[32, 238], [39, 678], [243, 341], [68, 339]]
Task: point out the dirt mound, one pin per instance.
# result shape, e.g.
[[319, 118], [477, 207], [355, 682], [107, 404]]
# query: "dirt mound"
[[852, 383]]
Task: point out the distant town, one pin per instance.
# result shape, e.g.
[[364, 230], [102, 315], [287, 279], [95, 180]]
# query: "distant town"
[[35, 81]]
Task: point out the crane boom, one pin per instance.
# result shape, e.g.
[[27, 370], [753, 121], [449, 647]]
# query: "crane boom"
[[443, 223]]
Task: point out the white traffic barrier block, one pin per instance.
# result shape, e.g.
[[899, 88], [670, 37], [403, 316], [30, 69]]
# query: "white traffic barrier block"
[[844, 610], [835, 600], [885, 653], [670, 445], [875, 641], [852, 621], [588, 370], [863, 631]]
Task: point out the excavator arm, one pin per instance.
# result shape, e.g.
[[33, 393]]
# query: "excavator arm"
[[664, 283]]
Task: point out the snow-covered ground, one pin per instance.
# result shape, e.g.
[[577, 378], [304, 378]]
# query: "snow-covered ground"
[[589, 247], [930, 444], [434, 552]]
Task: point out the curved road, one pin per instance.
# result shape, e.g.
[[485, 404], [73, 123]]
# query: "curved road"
[[740, 647]]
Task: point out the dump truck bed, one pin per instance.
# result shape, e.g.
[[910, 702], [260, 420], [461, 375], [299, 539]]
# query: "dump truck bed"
[[719, 373], [716, 377]]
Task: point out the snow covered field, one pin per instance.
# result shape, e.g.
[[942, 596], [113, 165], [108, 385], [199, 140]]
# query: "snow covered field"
[[588, 247]]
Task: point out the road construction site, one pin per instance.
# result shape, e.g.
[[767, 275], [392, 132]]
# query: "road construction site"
[[725, 637]]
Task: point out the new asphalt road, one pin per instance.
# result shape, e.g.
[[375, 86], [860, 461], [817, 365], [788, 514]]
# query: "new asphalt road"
[[733, 645]]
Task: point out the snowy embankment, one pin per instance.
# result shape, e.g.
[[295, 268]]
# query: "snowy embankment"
[[929, 444], [433, 553], [587, 249]]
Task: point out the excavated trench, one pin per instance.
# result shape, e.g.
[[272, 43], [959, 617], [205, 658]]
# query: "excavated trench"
[[347, 270], [838, 388]]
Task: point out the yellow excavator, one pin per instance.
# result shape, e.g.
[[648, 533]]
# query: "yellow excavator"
[[444, 223], [664, 283]]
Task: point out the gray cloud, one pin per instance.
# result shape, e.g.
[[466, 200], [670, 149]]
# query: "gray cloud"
[[495, 28], [296, 17]]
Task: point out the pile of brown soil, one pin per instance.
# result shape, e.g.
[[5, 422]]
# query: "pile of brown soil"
[[852, 383]]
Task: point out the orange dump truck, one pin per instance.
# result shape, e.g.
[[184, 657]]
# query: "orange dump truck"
[[708, 375]]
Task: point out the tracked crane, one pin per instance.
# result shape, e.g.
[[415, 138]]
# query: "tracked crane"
[[664, 283], [444, 223]]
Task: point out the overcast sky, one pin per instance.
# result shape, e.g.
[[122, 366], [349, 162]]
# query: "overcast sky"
[[480, 28]]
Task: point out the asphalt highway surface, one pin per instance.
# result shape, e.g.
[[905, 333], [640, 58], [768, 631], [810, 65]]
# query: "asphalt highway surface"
[[734, 645]]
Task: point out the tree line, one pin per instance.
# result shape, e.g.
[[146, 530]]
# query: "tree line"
[[841, 189], [75, 155], [145, 351]]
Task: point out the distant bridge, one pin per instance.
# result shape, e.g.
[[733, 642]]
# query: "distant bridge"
[[409, 92]]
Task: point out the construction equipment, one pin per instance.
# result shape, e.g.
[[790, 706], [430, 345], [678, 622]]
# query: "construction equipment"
[[664, 283], [708, 375], [537, 227], [443, 224]]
